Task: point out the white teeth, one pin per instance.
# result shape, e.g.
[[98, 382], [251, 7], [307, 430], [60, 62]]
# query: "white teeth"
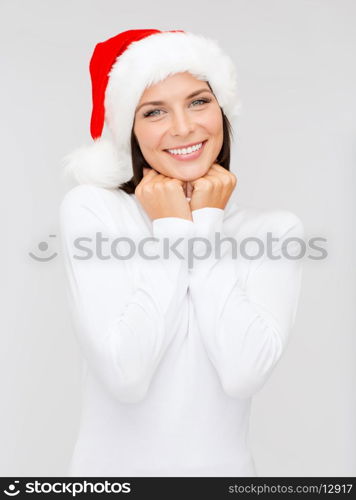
[[185, 150]]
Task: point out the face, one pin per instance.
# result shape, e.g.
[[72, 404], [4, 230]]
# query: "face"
[[176, 120]]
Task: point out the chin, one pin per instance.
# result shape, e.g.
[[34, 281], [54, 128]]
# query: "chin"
[[189, 172], [194, 177]]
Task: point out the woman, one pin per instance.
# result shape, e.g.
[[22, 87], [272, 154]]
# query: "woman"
[[174, 346]]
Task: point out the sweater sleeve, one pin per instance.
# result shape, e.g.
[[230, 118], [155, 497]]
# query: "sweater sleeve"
[[246, 308], [124, 324]]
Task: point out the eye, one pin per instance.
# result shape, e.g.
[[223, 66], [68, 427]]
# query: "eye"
[[204, 101], [150, 113]]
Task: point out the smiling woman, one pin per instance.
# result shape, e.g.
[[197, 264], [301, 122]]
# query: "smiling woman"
[[173, 348], [205, 110]]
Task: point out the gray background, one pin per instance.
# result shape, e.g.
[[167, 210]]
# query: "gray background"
[[294, 149]]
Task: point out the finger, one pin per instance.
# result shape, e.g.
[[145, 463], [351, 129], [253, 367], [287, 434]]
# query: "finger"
[[179, 182], [160, 179], [221, 179], [147, 170], [196, 182], [218, 167], [157, 177], [169, 178], [219, 171], [203, 183], [148, 175]]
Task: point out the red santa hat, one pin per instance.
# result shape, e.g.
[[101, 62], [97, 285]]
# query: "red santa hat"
[[120, 69]]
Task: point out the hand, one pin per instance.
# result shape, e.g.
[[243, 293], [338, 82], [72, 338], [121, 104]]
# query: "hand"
[[213, 189], [162, 196]]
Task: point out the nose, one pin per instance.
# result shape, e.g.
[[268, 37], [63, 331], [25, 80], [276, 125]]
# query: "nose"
[[182, 123]]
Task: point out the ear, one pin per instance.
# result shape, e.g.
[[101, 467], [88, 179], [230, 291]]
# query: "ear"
[[99, 164]]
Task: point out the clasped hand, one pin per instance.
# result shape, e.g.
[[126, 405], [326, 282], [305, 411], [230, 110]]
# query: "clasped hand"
[[163, 196]]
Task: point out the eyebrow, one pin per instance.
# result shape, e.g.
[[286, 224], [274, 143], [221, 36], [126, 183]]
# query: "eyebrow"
[[161, 103]]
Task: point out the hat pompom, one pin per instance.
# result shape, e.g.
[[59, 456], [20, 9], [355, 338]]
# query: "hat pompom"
[[99, 163]]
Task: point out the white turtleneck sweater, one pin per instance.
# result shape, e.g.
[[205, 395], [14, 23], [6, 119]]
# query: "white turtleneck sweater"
[[173, 352]]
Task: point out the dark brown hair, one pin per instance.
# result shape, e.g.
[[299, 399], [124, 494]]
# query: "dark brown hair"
[[138, 160]]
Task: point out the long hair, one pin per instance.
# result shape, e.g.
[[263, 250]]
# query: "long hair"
[[139, 162]]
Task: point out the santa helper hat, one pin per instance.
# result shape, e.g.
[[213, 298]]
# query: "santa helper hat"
[[120, 69]]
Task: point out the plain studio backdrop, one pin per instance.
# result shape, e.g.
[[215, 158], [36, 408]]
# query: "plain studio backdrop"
[[294, 149]]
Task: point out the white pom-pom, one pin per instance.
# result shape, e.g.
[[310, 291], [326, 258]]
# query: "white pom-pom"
[[99, 164]]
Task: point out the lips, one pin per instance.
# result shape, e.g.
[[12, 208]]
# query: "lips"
[[187, 156], [186, 145]]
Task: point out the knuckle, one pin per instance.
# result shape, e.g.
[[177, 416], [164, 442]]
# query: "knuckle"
[[158, 187], [231, 178], [172, 184], [204, 183], [217, 181], [147, 189], [227, 181]]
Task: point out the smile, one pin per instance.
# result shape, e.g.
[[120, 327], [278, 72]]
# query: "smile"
[[189, 153]]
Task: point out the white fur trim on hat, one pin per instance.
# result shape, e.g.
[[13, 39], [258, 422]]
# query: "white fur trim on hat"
[[100, 163], [144, 63]]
